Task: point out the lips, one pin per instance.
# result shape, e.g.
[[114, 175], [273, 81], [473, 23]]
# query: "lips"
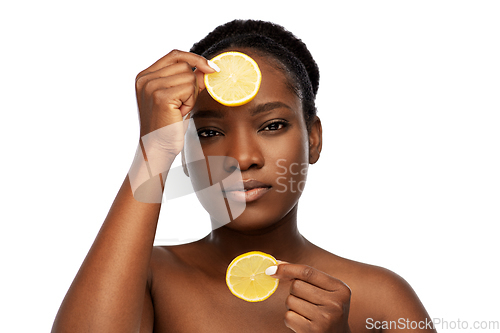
[[252, 190]]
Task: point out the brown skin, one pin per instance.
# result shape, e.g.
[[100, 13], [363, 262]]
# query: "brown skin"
[[182, 288]]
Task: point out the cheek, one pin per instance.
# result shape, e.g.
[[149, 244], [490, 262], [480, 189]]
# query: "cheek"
[[207, 165], [293, 147], [290, 169]]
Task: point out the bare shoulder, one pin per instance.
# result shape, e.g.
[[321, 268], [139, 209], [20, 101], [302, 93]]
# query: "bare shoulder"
[[372, 280], [358, 273], [164, 262], [377, 293], [180, 259], [175, 267], [173, 256], [161, 254]]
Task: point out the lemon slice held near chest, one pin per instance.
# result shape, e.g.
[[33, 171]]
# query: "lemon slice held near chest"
[[238, 81], [246, 277]]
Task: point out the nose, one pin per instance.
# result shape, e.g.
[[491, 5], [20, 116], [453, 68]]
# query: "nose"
[[243, 151]]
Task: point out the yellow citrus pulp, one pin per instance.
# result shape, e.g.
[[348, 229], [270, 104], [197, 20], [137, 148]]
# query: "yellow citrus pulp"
[[237, 82], [246, 277]]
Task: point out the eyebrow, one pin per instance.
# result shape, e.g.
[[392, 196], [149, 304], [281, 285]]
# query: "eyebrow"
[[268, 107], [261, 108]]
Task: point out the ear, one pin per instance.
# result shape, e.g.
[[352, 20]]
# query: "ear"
[[184, 165], [315, 140]]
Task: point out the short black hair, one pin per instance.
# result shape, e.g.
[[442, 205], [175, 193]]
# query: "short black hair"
[[274, 40]]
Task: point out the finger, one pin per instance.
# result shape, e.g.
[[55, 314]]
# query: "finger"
[[318, 305], [301, 307], [308, 274], [188, 105], [178, 68], [175, 98], [177, 56], [309, 292], [200, 79], [296, 322], [169, 82]]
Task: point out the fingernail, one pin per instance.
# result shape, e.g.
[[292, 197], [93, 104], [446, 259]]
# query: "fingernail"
[[271, 270], [213, 65]]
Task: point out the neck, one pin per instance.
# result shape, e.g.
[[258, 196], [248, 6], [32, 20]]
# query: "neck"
[[282, 240]]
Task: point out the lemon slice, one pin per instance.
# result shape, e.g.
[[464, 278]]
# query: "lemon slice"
[[246, 279], [237, 82]]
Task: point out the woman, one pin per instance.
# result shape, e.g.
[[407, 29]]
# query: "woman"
[[127, 285]]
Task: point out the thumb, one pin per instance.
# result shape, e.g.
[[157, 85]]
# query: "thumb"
[[271, 270], [204, 67]]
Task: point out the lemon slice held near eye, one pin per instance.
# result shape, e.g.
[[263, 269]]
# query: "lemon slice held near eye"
[[246, 277], [238, 81]]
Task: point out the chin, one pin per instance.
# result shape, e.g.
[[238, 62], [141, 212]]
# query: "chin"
[[247, 222], [254, 220]]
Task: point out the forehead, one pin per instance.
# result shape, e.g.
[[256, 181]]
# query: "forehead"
[[274, 88]]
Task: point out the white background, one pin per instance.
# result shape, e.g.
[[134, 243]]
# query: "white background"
[[408, 178]]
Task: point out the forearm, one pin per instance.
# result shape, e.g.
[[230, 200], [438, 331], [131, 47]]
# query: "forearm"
[[108, 291]]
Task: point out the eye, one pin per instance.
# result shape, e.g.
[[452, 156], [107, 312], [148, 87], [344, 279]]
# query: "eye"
[[275, 125], [208, 133]]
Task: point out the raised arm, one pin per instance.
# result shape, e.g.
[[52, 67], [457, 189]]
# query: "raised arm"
[[107, 294]]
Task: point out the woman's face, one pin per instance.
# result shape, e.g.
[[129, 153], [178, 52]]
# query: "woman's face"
[[266, 140]]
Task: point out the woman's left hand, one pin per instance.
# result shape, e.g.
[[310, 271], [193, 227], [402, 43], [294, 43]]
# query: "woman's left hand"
[[317, 301]]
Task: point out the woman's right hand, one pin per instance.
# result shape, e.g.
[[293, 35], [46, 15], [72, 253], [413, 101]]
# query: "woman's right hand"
[[166, 92]]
